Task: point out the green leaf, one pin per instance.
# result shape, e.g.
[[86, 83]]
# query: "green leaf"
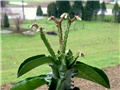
[[33, 62], [63, 15], [30, 83], [91, 73]]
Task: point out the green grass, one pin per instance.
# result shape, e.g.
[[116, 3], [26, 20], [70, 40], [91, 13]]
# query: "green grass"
[[109, 6], [99, 41], [109, 18]]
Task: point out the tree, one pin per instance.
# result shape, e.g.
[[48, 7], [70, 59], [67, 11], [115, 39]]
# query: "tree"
[[115, 11], [6, 21], [63, 6], [83, 13], [103, 10], [3, 5], [52, 9], [39, 11], [71, 12], [118, 16], [88, 10], [96, 8], [77, 7]]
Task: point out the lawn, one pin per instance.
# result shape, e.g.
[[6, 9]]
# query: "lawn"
[[99, 41], [109, 6]]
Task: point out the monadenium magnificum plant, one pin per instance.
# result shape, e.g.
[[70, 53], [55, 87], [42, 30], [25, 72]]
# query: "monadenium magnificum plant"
[[64, 64]]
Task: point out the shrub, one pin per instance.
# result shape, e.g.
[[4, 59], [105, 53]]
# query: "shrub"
[[6, 21], [77, 6], [63, 6], [115, 11], [39, 11], [103, 10], [118, 16], [52, 9], [64, 64], [71, 12], [18, 22], [76, 9], [96, 8], [88, 10]]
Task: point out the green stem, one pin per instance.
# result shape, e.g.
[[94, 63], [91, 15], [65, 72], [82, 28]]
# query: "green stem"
[[60, 35], [58, 22], [66, 37], [59, 86], [47, 44]]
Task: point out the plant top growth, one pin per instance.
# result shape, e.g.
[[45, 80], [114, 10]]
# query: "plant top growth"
[[64, 64]]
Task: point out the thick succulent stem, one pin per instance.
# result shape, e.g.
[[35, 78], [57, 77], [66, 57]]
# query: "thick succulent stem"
[[60, 35], [66, 37], [47, 44], [58, 23], [67, 32]]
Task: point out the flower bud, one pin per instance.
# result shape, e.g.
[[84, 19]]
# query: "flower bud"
[[63, 15], [66, 16], [78, 18], [34, 25], [81, 54]]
